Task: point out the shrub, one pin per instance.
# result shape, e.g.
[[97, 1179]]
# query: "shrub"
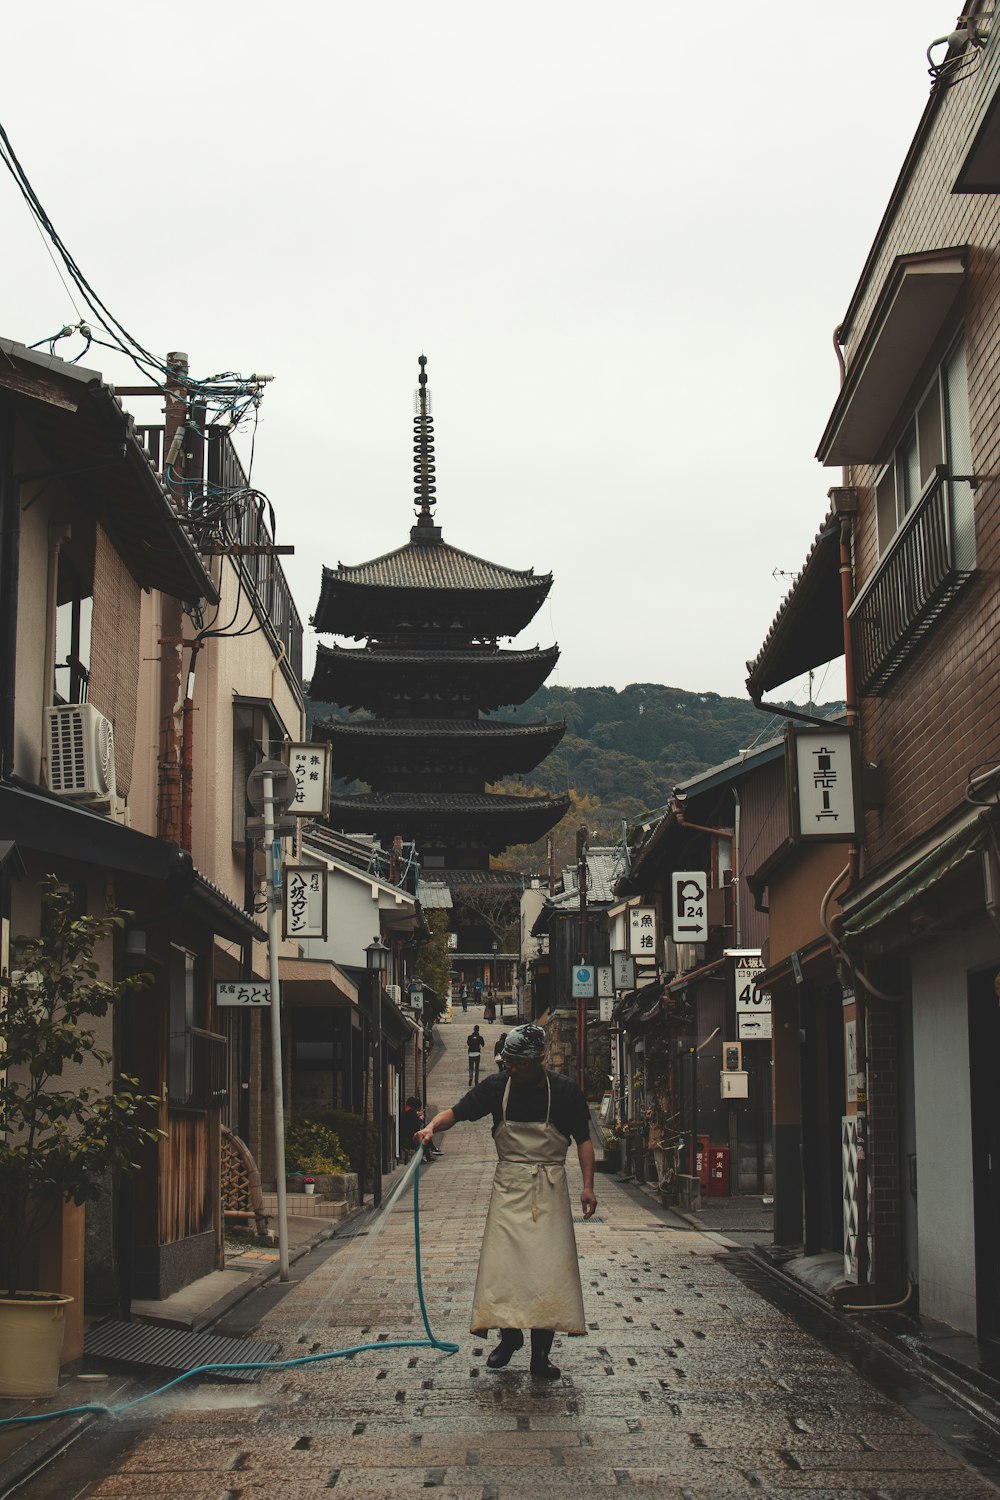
[[348, 1128], [312, 1146]]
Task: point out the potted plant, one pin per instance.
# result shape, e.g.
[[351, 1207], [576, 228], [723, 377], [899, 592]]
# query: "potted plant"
[[309, 1185], [59, 1135]]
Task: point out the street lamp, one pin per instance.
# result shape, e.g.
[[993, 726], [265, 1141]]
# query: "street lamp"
[[377, 957]]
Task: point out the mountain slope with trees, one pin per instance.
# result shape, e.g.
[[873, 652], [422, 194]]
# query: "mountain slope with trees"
[[623, 751]]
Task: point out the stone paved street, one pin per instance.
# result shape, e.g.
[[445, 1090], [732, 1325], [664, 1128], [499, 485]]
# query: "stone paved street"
[[690, 1383]]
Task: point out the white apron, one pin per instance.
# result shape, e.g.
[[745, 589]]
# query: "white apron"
[[529, 1276]]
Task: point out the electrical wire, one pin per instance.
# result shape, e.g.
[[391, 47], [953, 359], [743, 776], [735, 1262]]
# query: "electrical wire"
[[227, 392], [431, 1341]]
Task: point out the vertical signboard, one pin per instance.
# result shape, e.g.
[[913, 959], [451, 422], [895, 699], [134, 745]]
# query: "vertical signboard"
[[623, 971], [753, 1005], [689, 906], [310, 765], [642, 931], [304, 902], [821, 782]]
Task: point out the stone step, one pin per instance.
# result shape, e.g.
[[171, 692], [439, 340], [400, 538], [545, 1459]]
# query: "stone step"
[[307, 1205]]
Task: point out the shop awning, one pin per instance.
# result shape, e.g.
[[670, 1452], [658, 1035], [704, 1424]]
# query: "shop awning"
[[912, 883], [53, 827]]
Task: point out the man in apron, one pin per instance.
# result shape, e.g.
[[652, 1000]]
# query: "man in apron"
[[528, 1275]]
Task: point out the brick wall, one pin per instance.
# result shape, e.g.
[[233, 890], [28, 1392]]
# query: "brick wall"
[[940, 716]]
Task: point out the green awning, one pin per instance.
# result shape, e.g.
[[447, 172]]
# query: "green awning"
[[916, 880]]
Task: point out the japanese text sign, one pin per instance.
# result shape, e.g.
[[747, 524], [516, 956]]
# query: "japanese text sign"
[[310, 765], [304, 902], [242, 992], [583, 982], [623, 969], [821, 782], [642, 931]]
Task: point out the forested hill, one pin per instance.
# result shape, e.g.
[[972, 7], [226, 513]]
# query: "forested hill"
[[629, 749], [624, 752]]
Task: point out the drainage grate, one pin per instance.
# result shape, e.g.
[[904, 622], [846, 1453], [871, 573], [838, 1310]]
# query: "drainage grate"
[[174, 1349]]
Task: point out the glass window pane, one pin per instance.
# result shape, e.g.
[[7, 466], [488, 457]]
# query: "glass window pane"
[[956, 387], [930, 433]]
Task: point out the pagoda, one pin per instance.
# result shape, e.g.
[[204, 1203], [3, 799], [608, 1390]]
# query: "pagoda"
[[429, 673]]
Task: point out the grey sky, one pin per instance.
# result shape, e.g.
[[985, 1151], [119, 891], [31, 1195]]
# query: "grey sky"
[[622, 236]]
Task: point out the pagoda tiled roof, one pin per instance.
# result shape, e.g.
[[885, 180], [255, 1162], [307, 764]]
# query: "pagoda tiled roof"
[[438, 728], [483, 658], [361, 676], [434, 566], [444, 804]]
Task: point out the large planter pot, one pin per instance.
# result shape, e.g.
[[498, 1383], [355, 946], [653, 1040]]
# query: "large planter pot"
[[31, 1338]]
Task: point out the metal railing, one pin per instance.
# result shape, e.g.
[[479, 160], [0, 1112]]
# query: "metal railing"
[[223, 510], [915, 581]]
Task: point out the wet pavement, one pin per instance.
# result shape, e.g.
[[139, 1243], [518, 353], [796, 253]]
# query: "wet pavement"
[[695, 1380]]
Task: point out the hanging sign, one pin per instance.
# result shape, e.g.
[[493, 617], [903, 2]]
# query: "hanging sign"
[[819, 765], [642, 931], [242, 992], [607, 1006], [605, 982], [753, 1005], [623, 971], [310, 765], [689, 906], [304, 902]]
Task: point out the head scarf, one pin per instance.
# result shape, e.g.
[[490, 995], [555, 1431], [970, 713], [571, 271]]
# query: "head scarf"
[[525, 1041]]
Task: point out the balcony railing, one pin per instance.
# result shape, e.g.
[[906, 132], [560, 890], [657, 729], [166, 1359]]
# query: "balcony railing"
[[221, 510], [915, 581]]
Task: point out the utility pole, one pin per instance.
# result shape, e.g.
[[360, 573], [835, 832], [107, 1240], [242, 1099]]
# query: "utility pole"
[[582, 845], [172, 691]]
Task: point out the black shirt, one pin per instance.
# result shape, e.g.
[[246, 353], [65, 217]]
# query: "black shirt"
[[570, 1113]]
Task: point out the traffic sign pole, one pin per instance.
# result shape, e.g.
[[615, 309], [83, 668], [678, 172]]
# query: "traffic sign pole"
[[272, 847]]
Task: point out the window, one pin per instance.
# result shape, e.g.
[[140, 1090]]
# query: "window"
[[196, 1059], [935, 436], [74, 609], [258, 734]]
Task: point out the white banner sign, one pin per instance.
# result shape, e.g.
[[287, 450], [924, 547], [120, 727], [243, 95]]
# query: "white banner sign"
[[304, 902], [605, 982], [607, 1006], [642, 931], [689, 906], [754, 1028], [310, 765], [824, 783], [242, 992]]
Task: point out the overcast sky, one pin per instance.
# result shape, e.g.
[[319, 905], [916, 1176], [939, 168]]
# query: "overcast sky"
[[621, 234]]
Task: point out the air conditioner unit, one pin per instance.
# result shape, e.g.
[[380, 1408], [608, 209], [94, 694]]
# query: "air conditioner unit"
[[394, 992], [81, 752]]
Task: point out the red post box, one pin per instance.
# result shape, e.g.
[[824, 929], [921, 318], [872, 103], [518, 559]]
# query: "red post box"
[[718, 1171]]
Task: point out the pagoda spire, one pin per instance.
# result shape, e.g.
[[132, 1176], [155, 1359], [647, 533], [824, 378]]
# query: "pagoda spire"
[[424, 487]]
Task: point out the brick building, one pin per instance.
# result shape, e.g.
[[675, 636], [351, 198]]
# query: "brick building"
[[915, 530]]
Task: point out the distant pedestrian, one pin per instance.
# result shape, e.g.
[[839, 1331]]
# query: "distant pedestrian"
[[490, 1010], [475, 1042], [498, 1049], [464, 995], [477, 991], [412, 1121]]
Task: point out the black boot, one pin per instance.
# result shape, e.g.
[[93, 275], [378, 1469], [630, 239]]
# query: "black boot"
[[541, 1366], [511, 1339]]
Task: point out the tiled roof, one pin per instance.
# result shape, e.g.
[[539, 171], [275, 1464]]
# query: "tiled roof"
[[433, 895], [456, 879], [431, 728], [443, 803], [435, 566], [371, 658], [604, 865], [808, 630]]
